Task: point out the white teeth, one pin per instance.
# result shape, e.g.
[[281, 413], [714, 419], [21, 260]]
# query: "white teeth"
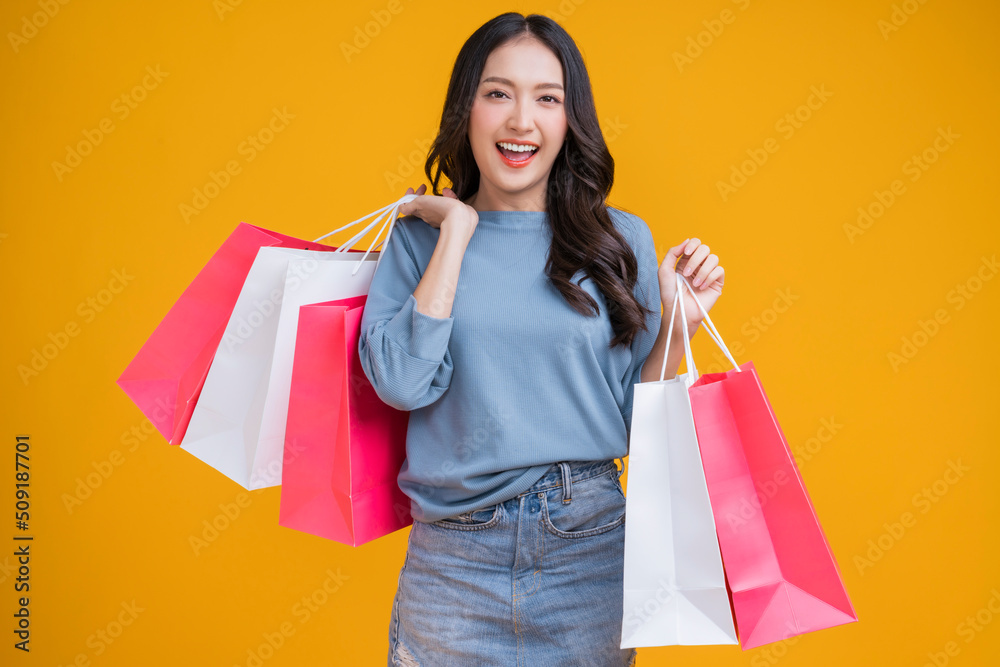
[[516, 148]]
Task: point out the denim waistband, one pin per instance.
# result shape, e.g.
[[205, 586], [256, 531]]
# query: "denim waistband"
[[567, 472]]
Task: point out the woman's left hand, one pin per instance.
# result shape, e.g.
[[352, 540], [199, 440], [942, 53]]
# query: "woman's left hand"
[[702, 271]]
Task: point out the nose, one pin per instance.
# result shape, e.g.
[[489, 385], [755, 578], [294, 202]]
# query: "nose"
[[521, 119]]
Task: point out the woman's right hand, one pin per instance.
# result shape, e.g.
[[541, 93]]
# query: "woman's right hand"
[[441, 212]]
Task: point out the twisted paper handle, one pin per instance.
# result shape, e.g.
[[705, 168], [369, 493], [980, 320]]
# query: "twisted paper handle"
[[388, 212], [713, 333]]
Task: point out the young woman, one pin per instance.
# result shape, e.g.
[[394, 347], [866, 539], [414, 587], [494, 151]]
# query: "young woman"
[[512, 316]]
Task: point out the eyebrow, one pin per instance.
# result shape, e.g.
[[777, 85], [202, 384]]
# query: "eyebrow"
[[508, 82]]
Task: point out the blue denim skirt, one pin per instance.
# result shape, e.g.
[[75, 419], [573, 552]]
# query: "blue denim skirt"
[[534, 580]]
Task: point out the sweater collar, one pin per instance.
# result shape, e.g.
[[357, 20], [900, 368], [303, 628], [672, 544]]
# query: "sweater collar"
[[514, 219]]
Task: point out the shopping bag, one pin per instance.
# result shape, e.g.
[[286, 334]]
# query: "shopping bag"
[[674, 584], [237, 425], [166, 375], [782, 573], [343, 446], [225, 426]]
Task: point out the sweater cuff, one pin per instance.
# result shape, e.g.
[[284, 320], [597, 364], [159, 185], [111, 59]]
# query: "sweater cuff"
[[419, 334]]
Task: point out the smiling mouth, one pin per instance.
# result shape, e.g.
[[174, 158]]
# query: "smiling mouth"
[[519, 156]]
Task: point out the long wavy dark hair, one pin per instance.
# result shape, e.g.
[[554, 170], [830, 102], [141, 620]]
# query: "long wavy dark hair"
[[583, 234]]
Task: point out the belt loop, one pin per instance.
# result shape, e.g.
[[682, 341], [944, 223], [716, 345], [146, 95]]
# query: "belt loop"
[[567, 484], [622, 469]]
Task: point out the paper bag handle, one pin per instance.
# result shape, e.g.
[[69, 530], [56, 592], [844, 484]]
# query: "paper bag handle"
[[388, 212], [710, 328]]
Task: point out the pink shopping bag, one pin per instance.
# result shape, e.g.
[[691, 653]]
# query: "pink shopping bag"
[[166, 376], [343, 446], [782, 575], [780, 568]]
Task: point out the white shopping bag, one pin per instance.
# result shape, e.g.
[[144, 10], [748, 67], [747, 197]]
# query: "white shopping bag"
[[326, 282], [238, 423], [674, 583]]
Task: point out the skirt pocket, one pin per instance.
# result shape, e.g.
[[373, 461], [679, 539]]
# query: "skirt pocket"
[[480, 519], [596, 505]]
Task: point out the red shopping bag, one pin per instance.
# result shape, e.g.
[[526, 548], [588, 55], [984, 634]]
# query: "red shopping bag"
[[783, 578], [344, 447], [166, 376]]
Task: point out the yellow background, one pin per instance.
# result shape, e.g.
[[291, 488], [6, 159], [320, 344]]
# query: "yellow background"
[[675, 132]]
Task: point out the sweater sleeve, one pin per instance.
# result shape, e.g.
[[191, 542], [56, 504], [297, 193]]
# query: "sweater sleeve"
[[403, 352], [647, 291]]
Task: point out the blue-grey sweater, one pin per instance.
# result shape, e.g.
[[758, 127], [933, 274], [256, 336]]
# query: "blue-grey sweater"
[[514, 379]]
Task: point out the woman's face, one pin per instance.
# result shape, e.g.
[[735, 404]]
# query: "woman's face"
[[520, 101]]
